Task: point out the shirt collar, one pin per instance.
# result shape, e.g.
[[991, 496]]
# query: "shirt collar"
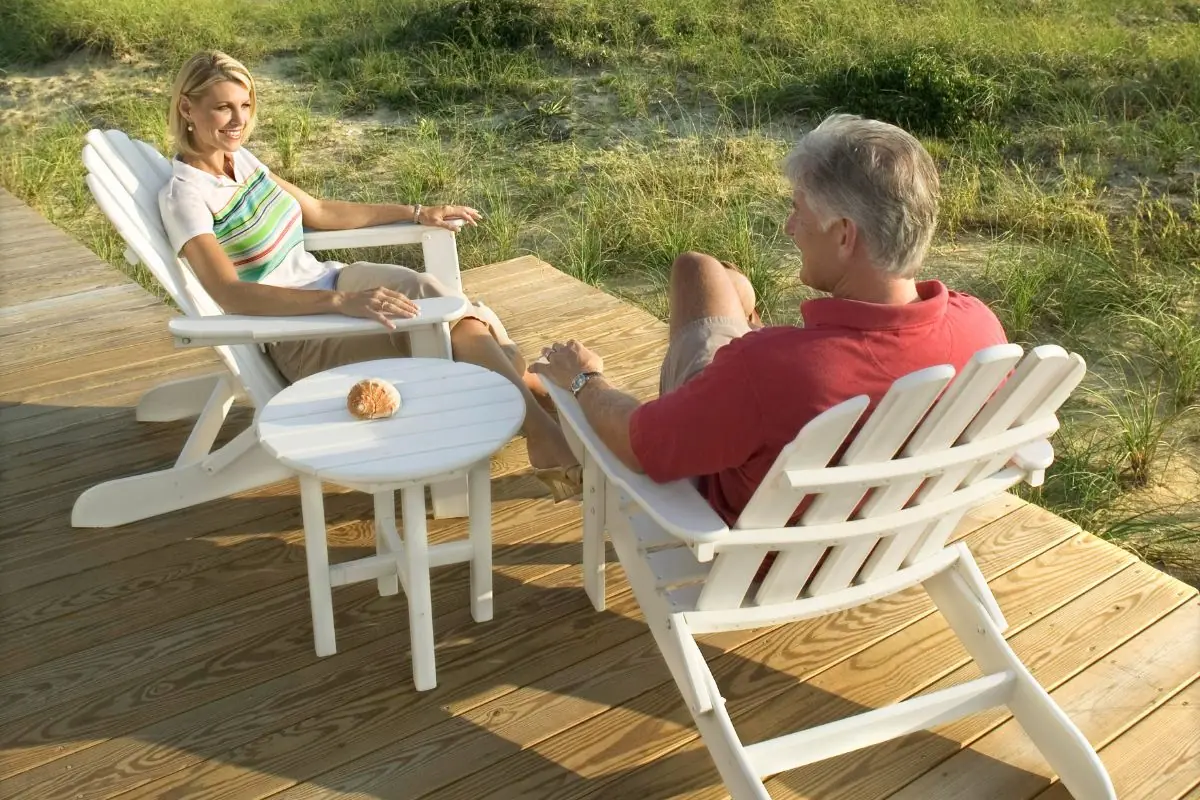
[[186, 172], [836, 312]]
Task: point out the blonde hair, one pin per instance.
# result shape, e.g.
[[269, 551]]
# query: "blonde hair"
[[877, 175], [197, 76]]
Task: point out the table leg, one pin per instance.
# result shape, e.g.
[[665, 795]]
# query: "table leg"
[[320, 592], [479, 488], [385, 517], [420, 606]]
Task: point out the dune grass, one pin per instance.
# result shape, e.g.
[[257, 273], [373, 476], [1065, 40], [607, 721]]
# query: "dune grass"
[[608, 135]]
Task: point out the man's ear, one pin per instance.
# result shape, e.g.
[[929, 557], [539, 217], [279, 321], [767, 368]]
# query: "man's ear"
[[848, 238]]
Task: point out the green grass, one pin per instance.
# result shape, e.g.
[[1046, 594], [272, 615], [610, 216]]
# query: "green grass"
[[608, 135]]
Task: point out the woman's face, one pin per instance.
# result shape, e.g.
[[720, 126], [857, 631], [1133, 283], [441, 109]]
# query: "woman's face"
[[218, 117]]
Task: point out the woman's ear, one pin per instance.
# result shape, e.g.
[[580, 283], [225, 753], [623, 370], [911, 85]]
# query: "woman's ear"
[[185, 108]]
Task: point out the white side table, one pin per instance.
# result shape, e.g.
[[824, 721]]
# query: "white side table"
[[452, 418]]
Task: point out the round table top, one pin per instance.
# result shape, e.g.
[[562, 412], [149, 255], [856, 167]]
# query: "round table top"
[[451, 416]]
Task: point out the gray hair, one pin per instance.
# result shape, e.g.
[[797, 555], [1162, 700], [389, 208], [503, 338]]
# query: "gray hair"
[[875, 174]]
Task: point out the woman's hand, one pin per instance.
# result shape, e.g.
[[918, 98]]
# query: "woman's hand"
[[449, 217], [377, 304]]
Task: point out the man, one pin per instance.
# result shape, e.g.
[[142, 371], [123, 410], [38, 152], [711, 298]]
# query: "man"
[[733, 393]]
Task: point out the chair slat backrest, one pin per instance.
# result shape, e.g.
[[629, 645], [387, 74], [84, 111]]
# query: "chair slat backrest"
[[997, 404], [124, 177]]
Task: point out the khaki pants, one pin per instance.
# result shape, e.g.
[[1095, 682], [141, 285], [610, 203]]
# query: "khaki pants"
[[693, 346], [299, 359]]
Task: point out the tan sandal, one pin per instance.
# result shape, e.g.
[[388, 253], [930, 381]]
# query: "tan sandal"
[[564, 483]]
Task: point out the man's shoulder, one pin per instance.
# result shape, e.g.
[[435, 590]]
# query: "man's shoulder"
[[963, 303], [784, 338]]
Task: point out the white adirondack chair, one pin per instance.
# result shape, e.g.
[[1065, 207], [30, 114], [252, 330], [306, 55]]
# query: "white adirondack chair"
[[124, 176], [920, 462]]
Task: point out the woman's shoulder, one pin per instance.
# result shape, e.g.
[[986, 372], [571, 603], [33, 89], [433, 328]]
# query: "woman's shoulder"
[[177, 191]]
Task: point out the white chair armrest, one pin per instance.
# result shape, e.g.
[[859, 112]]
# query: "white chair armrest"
[[243, 329], [374, 236], [1034, 459], [676, 506]]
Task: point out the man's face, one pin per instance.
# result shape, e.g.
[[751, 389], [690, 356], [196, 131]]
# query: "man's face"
[[818, 247]]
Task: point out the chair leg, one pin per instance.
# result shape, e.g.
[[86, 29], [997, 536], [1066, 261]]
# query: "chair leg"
[[316, 551], [179, 399], [480, 487], [691, 673], [450, 499], [420, 606], [204, 432], [1062, 744], [594, 508], [239, 466], [385, 518]]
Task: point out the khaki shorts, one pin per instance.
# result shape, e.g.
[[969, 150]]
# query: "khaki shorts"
[[693, 346], [299, 359]]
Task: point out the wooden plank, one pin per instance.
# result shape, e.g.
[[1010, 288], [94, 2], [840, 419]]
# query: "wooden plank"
[[278, 758], [45, 316], [46, 549], [104, 388], [588, 759], [43, 548], [1159, 757], [259, 628], [527, 717], [1056, 649], [173, 656], [37, 626], [59, 666], [1103, 701], [137, 573], [360, 697], [768, 693]]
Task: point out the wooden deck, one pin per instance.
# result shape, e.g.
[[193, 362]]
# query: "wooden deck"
[[173, 658]]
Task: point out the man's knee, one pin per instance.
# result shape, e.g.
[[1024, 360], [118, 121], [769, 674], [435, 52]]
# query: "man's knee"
[[686, 264]]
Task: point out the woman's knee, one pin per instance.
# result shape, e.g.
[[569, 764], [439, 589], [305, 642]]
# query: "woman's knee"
[[425, 285]]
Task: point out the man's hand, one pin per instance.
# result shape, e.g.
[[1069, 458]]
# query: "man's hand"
[[377, 304], [449, 217], [564, 362]]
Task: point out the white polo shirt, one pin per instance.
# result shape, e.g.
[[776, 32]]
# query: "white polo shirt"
[[256, 222]]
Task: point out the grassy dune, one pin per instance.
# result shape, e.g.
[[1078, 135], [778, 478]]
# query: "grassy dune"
[[607, 135]]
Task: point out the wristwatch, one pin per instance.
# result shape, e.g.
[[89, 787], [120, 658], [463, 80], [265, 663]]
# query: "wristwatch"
[[580, 381]]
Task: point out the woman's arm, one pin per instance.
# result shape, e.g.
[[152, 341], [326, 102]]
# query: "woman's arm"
[[338, 215], [219, 278]]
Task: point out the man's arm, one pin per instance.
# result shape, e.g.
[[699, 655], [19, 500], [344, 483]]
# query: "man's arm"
[[608, 411], [710, 424]]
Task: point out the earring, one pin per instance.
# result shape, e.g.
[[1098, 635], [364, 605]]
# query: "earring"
[[191, 127]]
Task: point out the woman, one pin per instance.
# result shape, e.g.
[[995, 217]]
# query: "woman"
[[240, 227]]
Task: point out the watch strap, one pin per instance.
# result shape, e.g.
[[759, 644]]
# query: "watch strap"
[[580, 381]]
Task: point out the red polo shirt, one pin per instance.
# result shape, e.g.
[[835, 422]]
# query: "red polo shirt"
[[728, 424]]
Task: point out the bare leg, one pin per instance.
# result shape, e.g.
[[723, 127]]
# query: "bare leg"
[[473, 343], [513, 353], [701, 286]]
